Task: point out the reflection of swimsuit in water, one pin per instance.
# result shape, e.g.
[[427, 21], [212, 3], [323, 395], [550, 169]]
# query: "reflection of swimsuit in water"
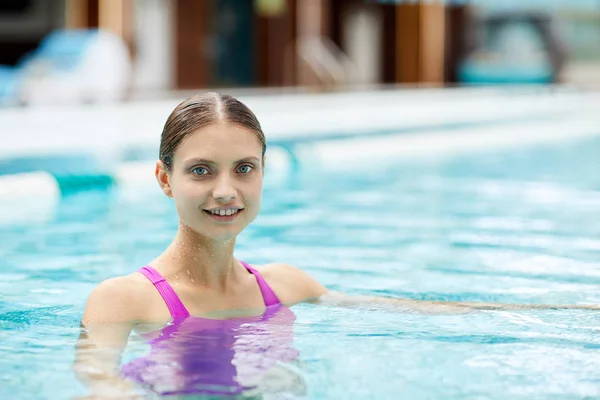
[[196, 355]]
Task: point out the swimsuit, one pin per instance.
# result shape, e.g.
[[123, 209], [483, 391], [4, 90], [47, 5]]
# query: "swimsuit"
[[195, 355]]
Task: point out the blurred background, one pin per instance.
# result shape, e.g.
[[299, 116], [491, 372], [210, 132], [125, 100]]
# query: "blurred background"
[[430, 150], [112, 50]]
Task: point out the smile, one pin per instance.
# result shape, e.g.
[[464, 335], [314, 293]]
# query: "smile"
[[224, 214]]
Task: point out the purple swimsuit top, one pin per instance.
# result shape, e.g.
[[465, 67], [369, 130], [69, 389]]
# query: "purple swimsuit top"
[[176, 307], [195, 355]]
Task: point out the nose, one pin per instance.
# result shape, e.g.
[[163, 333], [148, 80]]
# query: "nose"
[[224, 190]]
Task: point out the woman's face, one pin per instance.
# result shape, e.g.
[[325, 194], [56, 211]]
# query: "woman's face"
[[216, 180]]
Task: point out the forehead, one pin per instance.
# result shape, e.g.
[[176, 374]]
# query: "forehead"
[[219, 141]]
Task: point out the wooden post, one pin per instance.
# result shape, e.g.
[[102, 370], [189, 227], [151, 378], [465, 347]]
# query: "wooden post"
[[432, 53], [275, 44], [76, 14], [420, 36], [408, 37], [192, 67], [110, 16], [116, 16]]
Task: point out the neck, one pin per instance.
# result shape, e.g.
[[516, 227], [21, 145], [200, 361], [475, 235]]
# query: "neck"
[[200, 261]]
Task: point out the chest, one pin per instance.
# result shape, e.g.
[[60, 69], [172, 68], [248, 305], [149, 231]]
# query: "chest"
[[244, 300]]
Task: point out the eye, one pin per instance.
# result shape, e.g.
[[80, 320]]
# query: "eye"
[[244, 169], [200, 171]]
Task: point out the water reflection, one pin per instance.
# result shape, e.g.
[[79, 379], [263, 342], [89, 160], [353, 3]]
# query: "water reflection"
[[221, 356]]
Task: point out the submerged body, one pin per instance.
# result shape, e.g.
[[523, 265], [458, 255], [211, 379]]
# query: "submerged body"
[[195, 355]]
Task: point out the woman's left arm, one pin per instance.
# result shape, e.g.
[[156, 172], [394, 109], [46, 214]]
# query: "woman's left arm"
[[433, 307], [293, 286]]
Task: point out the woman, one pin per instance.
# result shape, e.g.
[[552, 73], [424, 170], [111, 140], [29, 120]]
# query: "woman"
[[212, 157], [196, 300]]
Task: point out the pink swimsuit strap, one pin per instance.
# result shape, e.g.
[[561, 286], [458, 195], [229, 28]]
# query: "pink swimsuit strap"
[[174, 303]]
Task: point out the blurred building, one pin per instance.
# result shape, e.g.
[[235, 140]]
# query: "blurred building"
[[189, 44]]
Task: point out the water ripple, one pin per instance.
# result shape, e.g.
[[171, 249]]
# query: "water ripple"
[[518, 227]]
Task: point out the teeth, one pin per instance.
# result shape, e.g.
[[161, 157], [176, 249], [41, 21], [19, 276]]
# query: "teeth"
[[224, 212]]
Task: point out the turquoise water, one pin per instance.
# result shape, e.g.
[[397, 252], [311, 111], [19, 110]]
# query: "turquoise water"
[[518, 226]]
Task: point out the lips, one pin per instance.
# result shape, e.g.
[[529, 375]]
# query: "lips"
[[224, 214]]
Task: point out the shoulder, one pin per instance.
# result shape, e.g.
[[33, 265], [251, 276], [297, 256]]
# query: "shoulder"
[[116, 300], [291, 284]]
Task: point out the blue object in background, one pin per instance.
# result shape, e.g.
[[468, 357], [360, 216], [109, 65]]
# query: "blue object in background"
[[476, 73], [65, 48], [70, 66], [8, 83], [515, 48], [59, 52]]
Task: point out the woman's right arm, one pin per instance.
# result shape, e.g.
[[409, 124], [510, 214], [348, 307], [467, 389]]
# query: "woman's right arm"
[[107, 321]]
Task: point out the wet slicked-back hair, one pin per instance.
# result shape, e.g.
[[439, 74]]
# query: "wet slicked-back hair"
[[200, 111]]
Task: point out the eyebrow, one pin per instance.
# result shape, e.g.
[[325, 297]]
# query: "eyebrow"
[[211, 162]]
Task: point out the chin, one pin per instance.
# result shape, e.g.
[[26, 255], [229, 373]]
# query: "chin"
[[223, 234]]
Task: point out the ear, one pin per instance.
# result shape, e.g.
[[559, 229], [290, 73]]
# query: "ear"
[[264, 161], [162, 177]]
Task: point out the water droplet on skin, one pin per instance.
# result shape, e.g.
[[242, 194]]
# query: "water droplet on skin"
[[192, 280]]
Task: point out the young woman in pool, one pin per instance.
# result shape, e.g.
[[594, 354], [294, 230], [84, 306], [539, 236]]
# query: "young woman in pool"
[[212, 163]]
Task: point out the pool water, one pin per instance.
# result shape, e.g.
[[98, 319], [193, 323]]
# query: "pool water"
[[516, 226]]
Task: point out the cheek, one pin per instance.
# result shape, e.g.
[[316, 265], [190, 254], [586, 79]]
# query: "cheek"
[[254, 191], [188, 193], [255, 200]]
